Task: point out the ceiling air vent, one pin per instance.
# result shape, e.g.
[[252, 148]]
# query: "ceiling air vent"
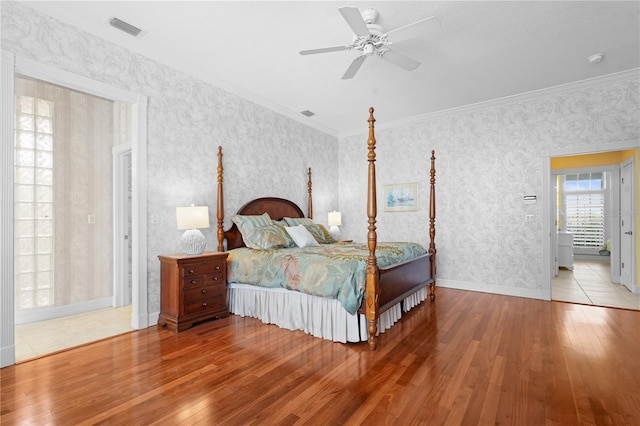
[[307, 113], [124, 26]]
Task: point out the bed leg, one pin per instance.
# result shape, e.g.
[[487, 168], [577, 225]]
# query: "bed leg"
[[372, 327], [432, 292]]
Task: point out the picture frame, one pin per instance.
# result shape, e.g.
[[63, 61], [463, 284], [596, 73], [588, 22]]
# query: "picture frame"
[[401, 197]]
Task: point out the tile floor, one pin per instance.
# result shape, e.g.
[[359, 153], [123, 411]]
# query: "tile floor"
[[589, 283], [36, 339]]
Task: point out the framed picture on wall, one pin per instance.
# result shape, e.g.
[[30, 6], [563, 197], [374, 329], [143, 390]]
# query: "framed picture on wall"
[[401, 197]]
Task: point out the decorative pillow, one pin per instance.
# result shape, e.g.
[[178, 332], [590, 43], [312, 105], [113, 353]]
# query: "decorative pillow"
[[282, 223], [268, 237], [320, 233], [247, 223], [295, 221], [301, 236]]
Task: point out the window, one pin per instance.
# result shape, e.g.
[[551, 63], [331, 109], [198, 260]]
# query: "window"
[[33, 168], [584, 209]]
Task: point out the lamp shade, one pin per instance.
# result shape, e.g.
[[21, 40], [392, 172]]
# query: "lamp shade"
[[193, 217], [334, 219]]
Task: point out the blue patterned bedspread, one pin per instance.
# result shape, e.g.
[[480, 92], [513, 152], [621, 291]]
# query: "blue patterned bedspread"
[[331, 270]]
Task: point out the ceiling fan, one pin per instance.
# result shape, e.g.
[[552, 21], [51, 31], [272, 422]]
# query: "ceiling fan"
[[369, 39]]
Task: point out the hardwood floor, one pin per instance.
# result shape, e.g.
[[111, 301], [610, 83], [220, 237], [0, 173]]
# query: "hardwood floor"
[[470, 358]]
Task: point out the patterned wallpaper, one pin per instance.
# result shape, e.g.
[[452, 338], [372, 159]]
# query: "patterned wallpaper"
[[487, 160], [265, 153]]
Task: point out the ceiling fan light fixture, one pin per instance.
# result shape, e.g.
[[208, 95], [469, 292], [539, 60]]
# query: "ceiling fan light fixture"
[[370, 38]]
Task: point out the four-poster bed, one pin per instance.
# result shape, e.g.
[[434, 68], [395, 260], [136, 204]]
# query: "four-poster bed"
[[389, 287]]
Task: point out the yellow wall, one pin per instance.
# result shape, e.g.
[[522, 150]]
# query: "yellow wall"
[[606, 159], [592, 160]]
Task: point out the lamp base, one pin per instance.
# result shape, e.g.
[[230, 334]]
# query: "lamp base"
[[334, 231], [193, 241]]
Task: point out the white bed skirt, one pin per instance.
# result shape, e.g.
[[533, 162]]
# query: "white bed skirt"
[[318, 316]]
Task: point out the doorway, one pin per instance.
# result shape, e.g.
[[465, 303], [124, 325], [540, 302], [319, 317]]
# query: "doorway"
[[595, 275], [10, 66], [64, 201]]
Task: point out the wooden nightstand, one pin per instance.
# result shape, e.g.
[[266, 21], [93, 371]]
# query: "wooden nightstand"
[[193, 289]]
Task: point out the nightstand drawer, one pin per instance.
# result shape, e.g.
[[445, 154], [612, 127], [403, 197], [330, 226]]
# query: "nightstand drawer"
[[202, 267], [200, 280], [204, 305], [196, 294]]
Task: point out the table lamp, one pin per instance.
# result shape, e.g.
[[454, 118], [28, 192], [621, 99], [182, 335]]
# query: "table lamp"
[[191, 219], [334, 220]]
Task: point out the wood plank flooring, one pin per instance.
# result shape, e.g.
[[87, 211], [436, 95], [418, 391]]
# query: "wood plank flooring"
[[470, 358]]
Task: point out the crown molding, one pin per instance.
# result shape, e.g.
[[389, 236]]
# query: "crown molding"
[[633, 73]]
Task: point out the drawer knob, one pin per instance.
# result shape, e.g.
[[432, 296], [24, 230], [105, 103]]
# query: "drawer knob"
[[191, 271], [193, 282], [204, 304], [217, 268], [204, 291], [215, 278]]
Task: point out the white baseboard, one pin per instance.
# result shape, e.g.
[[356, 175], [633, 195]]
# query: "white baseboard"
[[49, 312], [153, 319], [529, 293], [7, 356]]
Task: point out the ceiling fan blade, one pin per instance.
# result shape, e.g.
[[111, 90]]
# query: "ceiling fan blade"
[[354, 67], [323, 50], [415, 29], [355, 21], [400, 60]]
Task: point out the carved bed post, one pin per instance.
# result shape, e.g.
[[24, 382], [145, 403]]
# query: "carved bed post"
[[432, 224], [220, 204], [372, 283], [310, 196]]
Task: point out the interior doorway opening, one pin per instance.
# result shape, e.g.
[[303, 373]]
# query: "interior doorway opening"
[[63, 199], [608, 245], [11, 65], [65, 217]]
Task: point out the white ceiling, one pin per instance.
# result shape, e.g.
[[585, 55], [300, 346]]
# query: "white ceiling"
[[481, 50]]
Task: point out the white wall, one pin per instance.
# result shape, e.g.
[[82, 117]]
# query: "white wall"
[[488, 158], [265, 153]]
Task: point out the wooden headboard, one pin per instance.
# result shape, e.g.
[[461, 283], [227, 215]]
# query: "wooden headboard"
[[276, 207]]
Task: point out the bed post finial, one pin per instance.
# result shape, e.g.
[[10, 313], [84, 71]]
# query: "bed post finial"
[[432, 224], [220, 204], [309, 195], [373, 281]]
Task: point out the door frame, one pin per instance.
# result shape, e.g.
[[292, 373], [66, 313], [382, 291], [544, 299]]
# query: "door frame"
[[548, 216], [121, 214], [10, 64]]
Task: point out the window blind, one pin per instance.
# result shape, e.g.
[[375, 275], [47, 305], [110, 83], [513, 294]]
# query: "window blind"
[[585, 218]]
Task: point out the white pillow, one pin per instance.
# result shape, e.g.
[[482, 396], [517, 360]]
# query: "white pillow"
[[301, 236]]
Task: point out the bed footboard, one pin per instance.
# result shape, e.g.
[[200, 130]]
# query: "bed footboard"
[[400, 281]]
